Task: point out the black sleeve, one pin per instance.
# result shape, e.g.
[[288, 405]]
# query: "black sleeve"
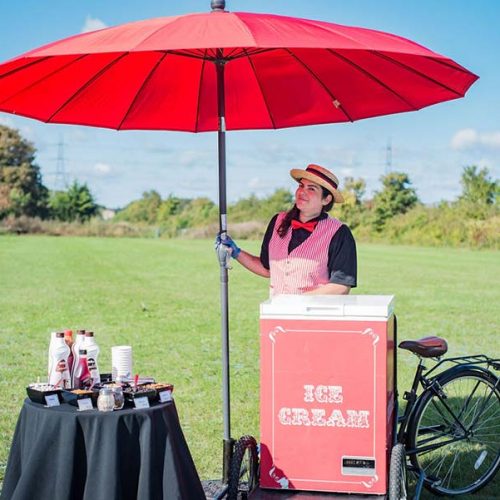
[[342, 260], [264, 249]]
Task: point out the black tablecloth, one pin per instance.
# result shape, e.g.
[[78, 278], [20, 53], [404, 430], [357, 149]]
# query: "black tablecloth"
[[62, 454]]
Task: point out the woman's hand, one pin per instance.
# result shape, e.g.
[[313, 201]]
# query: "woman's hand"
[[229, 243]]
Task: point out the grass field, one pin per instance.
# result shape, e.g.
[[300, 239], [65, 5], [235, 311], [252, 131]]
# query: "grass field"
[[162, 297]]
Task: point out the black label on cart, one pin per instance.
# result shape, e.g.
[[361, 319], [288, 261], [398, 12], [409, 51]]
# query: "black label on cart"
[[358, 466]]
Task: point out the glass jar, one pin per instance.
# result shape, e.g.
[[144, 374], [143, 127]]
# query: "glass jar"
[[118, 397], [106, 400]]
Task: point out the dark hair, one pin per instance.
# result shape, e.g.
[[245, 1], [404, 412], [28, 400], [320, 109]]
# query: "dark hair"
[[294, 213], [328, 206]]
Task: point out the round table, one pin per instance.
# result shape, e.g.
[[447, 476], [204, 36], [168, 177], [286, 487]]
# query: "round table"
[[61, 453]]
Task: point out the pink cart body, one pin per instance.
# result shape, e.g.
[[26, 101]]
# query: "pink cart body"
[[327, 393]]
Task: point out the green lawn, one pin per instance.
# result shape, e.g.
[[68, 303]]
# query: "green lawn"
[[162, 297]]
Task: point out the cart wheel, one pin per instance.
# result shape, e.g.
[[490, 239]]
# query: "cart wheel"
[[397, 473], [243, 471]]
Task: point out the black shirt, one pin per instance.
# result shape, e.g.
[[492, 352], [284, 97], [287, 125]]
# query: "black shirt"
[[342, 260]]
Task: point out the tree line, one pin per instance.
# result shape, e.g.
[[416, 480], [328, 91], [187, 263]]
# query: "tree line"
[[393, 214], [22, 192]]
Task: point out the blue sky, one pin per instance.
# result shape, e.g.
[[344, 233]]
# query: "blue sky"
[[431, 145]]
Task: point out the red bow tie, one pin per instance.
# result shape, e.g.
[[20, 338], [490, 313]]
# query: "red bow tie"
[[308, 226]]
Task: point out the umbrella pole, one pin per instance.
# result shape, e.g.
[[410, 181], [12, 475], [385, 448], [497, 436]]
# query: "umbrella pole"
[[221, 134]]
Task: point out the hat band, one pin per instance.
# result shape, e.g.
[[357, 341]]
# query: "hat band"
[[322, 175]]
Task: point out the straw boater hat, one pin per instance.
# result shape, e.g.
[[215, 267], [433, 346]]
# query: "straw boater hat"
[[321, 176]]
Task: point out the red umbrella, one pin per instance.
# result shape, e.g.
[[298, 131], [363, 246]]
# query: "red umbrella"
[[278, 72], [226, 71]]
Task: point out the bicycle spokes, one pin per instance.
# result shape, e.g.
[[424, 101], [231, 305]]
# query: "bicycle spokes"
[[455, 434]]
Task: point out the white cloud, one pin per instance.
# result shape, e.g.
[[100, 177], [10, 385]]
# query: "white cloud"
[[102, 169], [464, 139], [468, 138], [491, 139], [93, 24]]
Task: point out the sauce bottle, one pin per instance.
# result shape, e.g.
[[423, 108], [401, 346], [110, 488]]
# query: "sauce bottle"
[[58, 365], [75, 348], [90, 345], [68, 338], [82, 378]]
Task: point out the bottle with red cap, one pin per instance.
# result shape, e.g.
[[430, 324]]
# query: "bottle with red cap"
[[82, 378], [75, 348], [68, 338], [90, 345]]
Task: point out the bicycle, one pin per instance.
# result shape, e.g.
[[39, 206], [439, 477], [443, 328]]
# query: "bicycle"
[[449, 434]]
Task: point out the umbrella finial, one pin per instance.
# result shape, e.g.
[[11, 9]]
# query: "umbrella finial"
[[218, 5]]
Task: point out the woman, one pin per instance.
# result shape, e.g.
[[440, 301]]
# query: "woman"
[[304, 250]]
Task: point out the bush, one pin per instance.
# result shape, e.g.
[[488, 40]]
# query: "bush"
[[437, 226], [448, 224], [75, 204], [396, 197], [94, 227]]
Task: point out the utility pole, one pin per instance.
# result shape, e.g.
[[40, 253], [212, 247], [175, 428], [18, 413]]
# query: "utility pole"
[[60, 181], [388, 157]]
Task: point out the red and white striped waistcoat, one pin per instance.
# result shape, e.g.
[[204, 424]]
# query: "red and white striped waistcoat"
[[306, 267]]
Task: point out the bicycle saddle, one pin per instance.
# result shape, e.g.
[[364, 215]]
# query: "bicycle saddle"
[[427, 347]]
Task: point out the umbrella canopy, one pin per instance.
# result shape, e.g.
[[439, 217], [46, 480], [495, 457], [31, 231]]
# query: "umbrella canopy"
[[279, 72]]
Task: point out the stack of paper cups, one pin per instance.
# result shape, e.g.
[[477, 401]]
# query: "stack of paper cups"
[[121, 361]]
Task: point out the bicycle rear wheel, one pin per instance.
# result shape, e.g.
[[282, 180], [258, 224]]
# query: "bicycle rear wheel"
[[397, 474], [243, 472], [455, 439]]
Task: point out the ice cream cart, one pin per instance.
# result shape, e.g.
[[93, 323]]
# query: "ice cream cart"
[[327, 393]]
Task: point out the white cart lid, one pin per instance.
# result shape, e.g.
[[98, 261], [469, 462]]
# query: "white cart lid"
[[379, 306]]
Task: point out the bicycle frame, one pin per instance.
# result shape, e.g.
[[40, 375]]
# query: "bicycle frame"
[[475, 361], [430, 382]]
